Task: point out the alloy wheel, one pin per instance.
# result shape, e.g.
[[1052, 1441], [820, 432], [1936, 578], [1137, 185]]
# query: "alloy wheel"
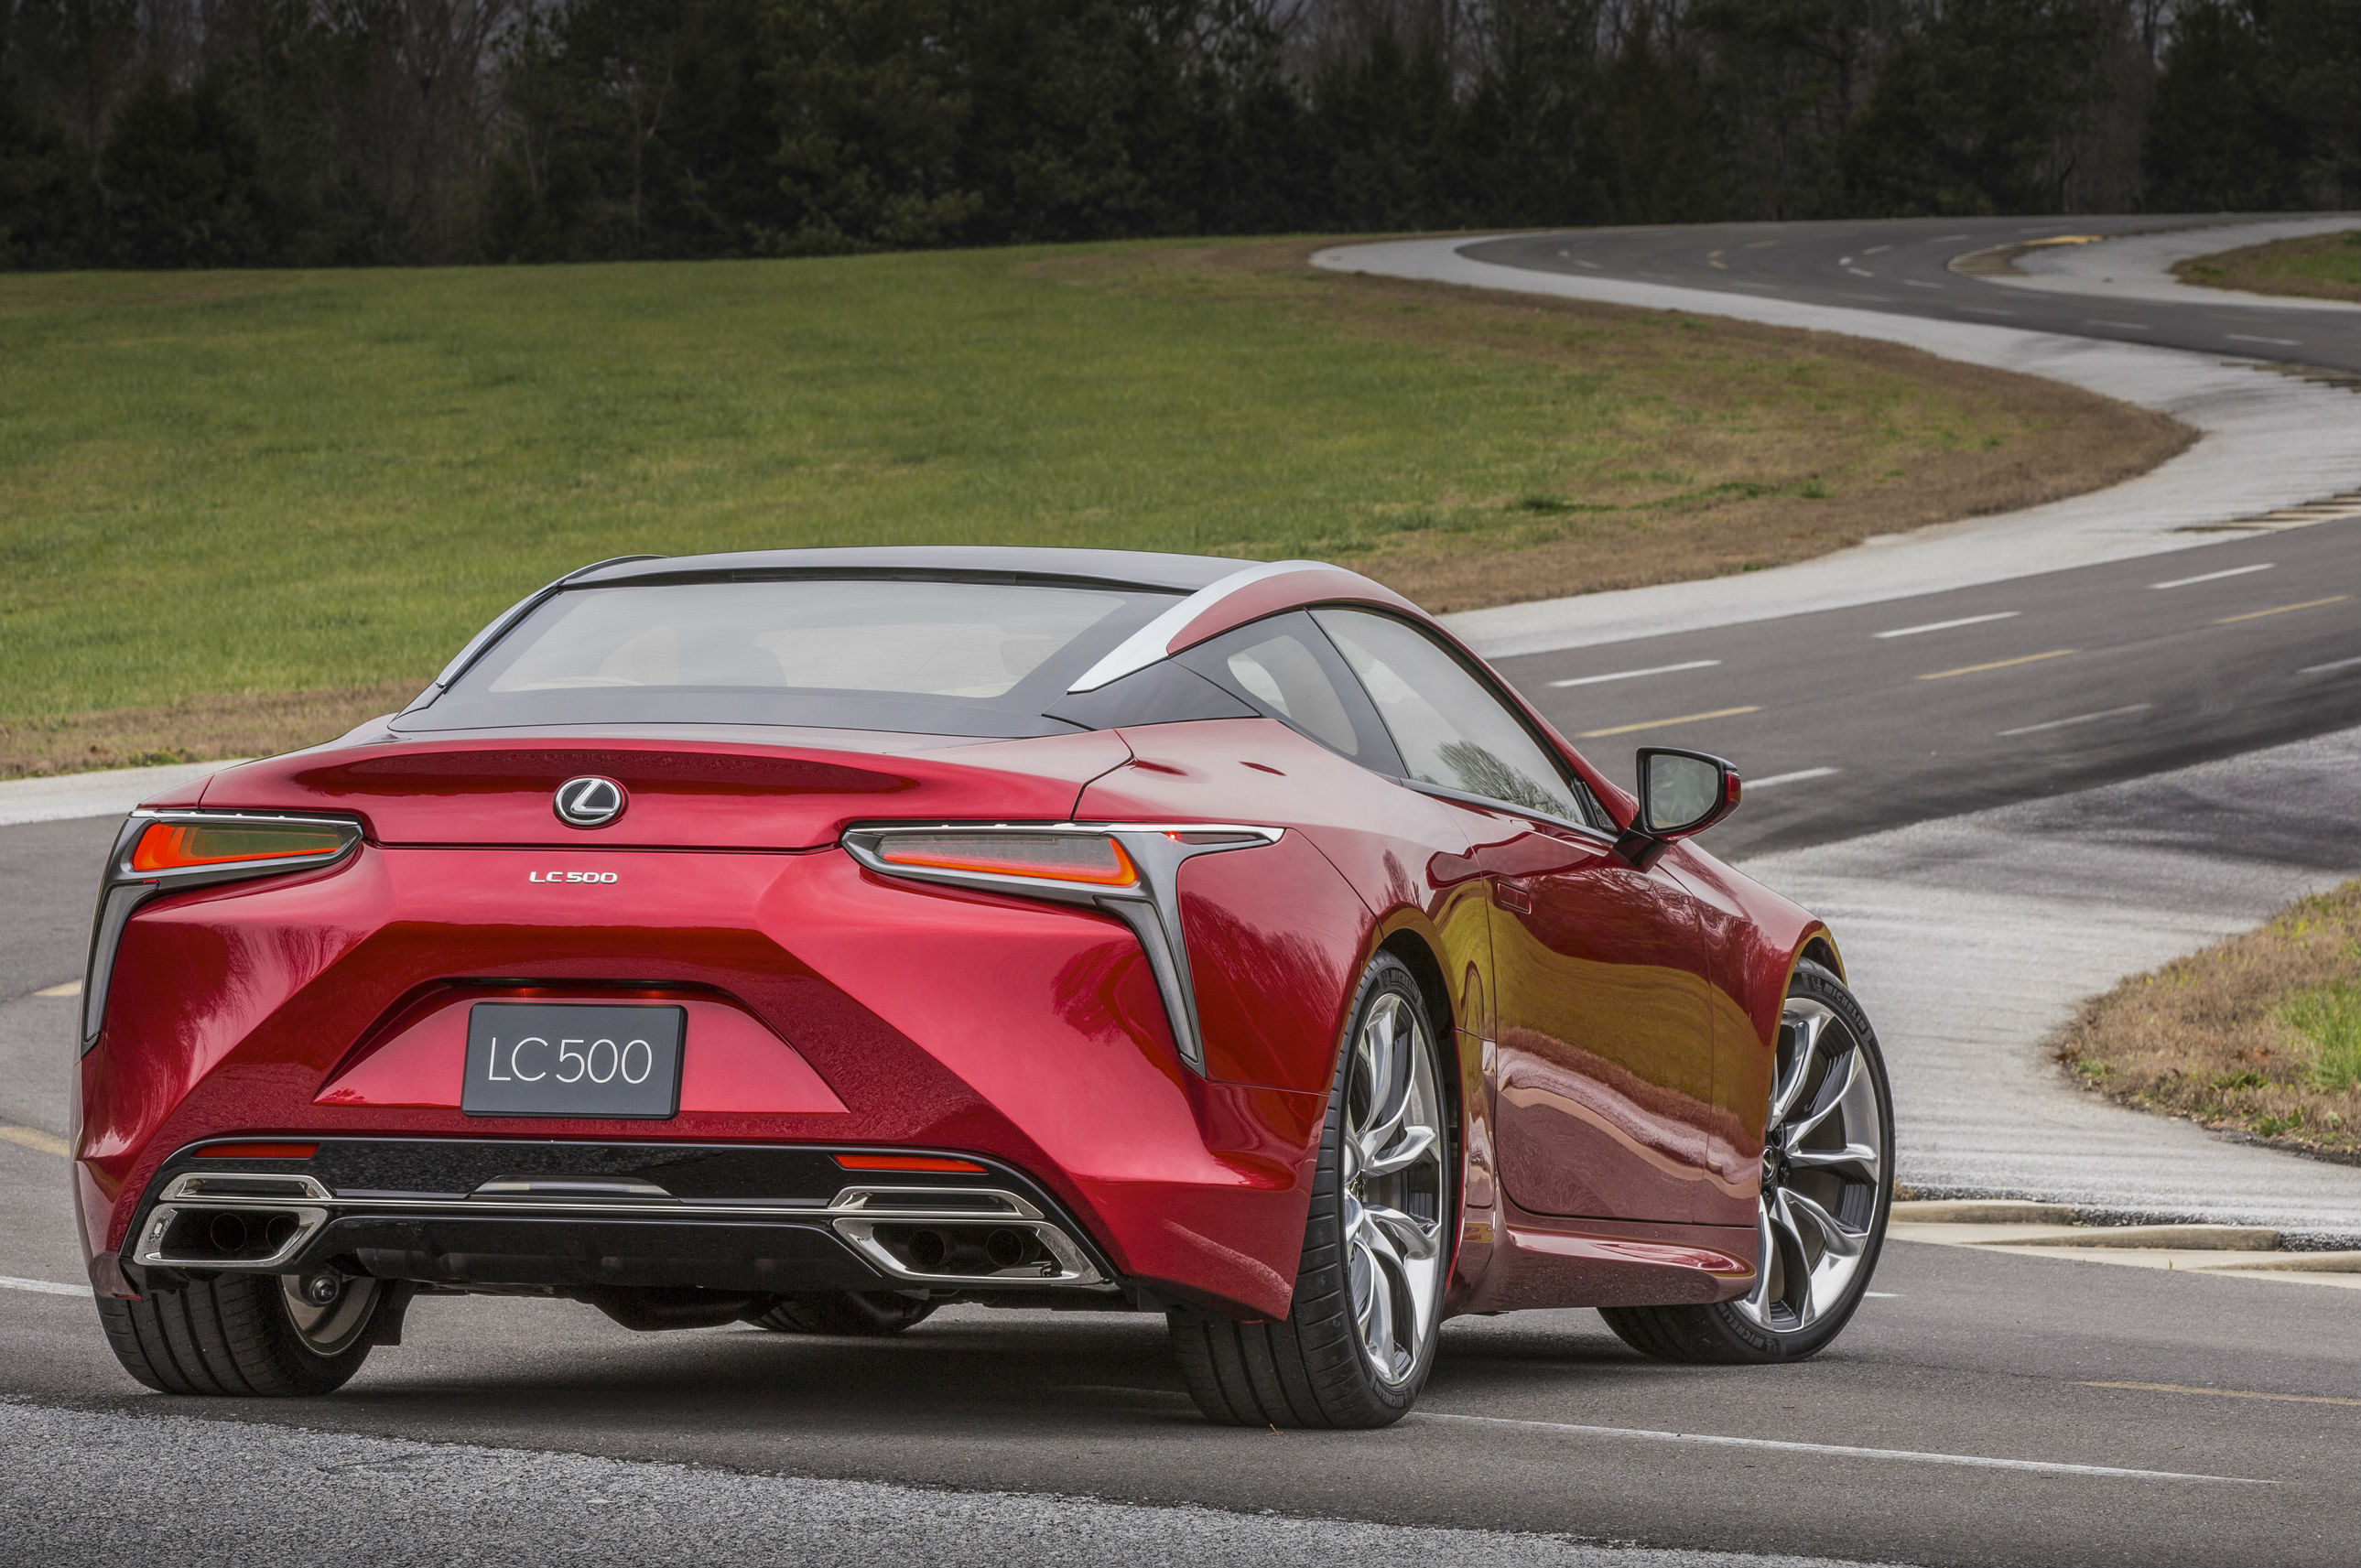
[[1393, 1186], [329, 1329], [1822, 1170]]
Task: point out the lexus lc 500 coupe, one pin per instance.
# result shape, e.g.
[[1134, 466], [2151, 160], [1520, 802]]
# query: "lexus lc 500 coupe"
[[811, 938]]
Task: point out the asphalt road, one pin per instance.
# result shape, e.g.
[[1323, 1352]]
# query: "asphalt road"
[[1904, 267], [1852, 720], [1983, 1409], [1535, 1421]]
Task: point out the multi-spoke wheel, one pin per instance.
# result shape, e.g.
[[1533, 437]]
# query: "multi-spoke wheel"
[[1827, 1181], [1360, 1336]]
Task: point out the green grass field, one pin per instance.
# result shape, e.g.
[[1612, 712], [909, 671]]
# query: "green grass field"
[[2325, 266], [258, 483]]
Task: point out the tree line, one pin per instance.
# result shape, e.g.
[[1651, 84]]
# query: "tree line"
[[208, 133]]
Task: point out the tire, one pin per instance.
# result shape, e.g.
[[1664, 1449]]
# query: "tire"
[[1820, 1224], [245, 1335], [1377, 1245], [862, 1314]]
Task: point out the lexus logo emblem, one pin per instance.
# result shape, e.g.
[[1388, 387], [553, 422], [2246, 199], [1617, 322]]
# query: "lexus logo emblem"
[[589, 802]]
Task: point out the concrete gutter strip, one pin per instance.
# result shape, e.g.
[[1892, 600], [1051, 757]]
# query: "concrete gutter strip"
[[64, 796], [2139, 266], [2160, 1238], [1971, 939], [2269, 442]]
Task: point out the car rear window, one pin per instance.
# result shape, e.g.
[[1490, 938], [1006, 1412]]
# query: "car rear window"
[[930, 656]]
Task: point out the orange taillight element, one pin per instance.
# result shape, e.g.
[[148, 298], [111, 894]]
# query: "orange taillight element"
[[1047, 857], [177, 845], [909, 1162]]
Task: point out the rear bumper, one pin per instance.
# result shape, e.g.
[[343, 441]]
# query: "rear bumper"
[[826, 1009], [576, 1216]]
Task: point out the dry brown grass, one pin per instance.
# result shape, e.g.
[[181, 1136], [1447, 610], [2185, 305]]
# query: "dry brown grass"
[[201, 730], [1726, 446], [2323, 267], [2244, 1036]]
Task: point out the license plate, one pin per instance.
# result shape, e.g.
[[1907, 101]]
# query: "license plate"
[[532, 1059]]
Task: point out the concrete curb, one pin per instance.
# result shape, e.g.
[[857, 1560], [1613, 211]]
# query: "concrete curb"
[[63, 796], [2269, 442]]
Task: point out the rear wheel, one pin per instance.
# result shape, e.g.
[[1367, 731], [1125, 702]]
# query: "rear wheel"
[[247, 1334], [1828, 1184], [1360, 1334], [858, 1314]]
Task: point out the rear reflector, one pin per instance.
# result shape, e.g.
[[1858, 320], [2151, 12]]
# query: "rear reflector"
[[1047, 857], [176, 846], [909, 1162], [258, 1151]]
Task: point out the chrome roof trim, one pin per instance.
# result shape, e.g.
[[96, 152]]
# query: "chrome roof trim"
[[1153, 641]]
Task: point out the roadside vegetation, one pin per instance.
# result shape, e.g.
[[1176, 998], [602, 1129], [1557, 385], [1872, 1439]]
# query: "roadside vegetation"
[[2259, 1034], [2320, 267], [245, 510]]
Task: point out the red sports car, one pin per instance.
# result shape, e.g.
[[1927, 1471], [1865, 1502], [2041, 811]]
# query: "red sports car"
[[814, 938]]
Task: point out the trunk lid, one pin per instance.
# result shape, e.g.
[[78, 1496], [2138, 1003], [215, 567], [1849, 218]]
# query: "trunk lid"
[[687, 789]]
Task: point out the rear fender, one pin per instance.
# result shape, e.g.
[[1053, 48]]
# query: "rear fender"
[[1754, 938]]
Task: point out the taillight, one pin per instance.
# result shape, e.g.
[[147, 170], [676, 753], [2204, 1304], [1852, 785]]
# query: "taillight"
[[1129, 870], [165, 851], [1089, 858], [181, 846]]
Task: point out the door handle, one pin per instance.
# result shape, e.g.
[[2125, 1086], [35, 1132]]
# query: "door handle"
[[1514, 895]]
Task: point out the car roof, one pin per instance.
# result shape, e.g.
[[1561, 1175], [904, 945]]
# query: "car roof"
[[1128, 568]]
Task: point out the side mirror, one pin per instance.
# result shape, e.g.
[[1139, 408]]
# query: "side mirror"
[[1681, 793]]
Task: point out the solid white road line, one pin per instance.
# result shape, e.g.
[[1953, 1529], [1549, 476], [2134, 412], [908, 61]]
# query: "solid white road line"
[[68, 988], [2214, 576], [2332, 664], [1788, 778], [1634, 675], [1973, 1460], [2079, 719], [2123, 327], [42, 1287], [1946, 625], [2249, 337]]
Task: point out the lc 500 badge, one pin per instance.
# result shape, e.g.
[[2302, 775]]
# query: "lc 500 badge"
[[569, 876]]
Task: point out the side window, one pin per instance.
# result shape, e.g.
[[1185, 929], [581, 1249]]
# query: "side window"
[[1287, 669], [1451, 731]]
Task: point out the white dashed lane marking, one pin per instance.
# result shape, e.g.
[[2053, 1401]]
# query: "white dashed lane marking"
[[2215, 576], [1635, 675], [1780, 1445], [1948, 625], [2078, 719]]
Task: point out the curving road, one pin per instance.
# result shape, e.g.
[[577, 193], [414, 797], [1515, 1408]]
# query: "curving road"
[[1907, 268], [1875, 716], [1984, 1409]]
